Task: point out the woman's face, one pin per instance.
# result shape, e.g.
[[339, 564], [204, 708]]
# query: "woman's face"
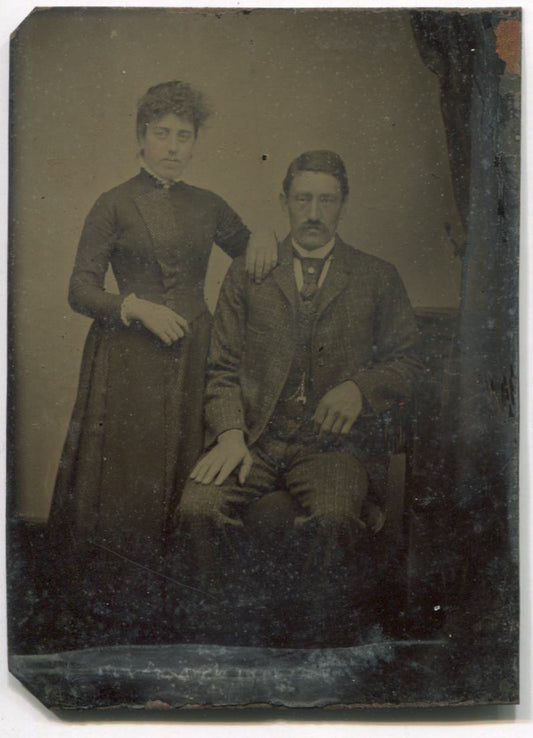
[[167, 145]]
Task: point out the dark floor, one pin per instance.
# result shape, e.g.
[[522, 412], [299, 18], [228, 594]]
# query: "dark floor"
[[41, 619]]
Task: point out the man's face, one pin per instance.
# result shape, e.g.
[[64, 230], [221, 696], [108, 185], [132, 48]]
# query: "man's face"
[[168, 145], [314, 206]]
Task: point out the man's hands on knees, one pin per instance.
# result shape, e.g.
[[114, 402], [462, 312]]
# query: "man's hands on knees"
[[230, 452], [338, 410]]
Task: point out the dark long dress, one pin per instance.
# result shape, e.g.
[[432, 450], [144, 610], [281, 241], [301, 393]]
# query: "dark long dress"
[[137, 426]]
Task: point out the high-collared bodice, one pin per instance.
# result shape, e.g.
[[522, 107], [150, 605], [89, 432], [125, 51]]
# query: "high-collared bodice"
[[157, 240]]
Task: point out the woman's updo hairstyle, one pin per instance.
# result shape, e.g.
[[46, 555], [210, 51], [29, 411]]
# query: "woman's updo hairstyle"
[[175, 97]]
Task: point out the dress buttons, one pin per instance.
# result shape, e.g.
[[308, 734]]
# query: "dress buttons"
[[311, 270]]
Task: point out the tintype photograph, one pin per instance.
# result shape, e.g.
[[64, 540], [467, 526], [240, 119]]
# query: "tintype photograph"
[[263, 357]]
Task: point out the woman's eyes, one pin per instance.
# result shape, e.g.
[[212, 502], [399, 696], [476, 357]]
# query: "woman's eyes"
[[163, 133]]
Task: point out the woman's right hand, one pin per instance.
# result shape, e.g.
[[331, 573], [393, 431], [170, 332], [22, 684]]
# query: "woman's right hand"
[[163, 322]]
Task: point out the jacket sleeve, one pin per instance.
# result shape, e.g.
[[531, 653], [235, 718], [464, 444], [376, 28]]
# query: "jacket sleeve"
[[223, 401], [86, 290], [231, 234], [395, 367]]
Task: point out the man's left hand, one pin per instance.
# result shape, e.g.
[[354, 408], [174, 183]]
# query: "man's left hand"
[[338, 410], [261, 254]]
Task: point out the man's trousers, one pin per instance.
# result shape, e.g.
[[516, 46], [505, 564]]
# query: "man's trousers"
[[313, 573]]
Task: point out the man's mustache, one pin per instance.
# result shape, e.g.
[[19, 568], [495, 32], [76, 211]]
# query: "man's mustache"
[[313, 224]]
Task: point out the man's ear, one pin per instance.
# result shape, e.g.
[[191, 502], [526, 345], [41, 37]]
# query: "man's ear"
[[283, 202], [343, 208]]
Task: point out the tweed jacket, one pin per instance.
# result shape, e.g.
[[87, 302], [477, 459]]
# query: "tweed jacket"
[[364, 330]]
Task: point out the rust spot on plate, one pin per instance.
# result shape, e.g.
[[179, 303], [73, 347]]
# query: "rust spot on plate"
[[508, 43]]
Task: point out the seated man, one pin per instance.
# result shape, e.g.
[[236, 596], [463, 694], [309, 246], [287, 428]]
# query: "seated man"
[[302, 368]]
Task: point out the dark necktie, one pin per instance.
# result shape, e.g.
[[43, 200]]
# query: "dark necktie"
[[311, 271]]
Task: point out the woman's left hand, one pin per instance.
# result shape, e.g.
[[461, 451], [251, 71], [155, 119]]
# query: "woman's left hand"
[[261, 254]]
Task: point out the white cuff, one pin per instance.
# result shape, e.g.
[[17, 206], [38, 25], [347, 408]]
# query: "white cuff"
[[125, 309]]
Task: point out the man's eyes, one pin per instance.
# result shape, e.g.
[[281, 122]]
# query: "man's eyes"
[[326, 199]]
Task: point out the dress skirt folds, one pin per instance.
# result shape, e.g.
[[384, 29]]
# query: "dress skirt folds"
[[136, 432]]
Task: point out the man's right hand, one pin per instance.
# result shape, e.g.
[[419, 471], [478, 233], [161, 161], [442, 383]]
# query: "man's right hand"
[[230, 452]]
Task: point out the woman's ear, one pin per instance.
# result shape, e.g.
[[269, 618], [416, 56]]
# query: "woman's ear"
[[283, 201], [140, 143]]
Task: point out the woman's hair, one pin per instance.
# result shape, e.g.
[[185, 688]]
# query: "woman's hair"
[[175, 97]]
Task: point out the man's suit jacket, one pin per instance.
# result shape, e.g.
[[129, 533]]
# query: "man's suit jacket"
[[364, 330]]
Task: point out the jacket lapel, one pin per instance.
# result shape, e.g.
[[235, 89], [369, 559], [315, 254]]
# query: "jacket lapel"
[[337, 277], [283, 274]]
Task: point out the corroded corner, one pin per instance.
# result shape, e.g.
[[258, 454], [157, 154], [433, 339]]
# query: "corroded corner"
[[29, 18]]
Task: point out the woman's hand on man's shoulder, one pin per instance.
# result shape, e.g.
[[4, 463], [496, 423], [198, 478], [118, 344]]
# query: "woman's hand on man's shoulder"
[[261, 254]]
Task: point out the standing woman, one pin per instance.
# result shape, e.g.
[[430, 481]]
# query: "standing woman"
[[137, 425]]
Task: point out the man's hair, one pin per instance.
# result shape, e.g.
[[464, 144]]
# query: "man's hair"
[[327, 162], [175, 97]]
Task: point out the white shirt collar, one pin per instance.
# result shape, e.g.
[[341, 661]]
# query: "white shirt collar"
[[164, 180], [320, 253]]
